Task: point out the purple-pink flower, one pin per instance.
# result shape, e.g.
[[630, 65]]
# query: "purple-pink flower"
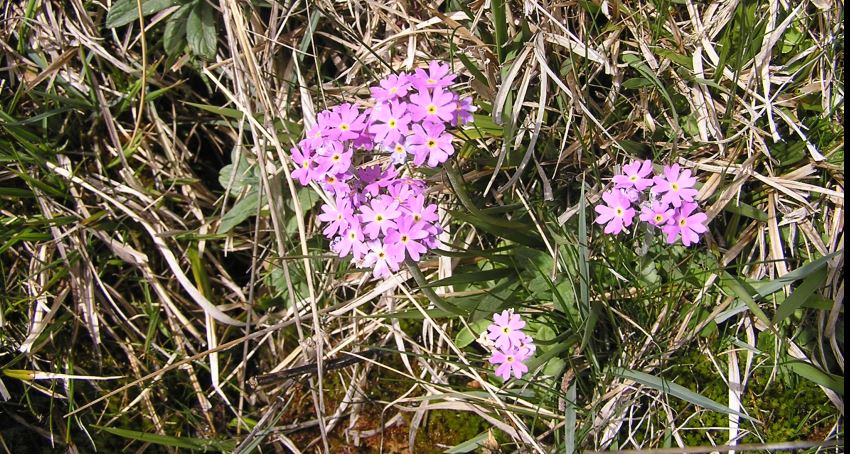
[[438, 75], [430, 142], [506, 330], [657, 214], [381, 259], [390, 124], [617, 214], [378, 216], [635, 176], [512, 345], [406, 238], [510, 363], [686, 224], [391, 87], [433, 107], [675, 187]]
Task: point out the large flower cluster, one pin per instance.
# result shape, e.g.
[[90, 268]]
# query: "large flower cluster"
[[666, 201], [512, 346], [378, 215]]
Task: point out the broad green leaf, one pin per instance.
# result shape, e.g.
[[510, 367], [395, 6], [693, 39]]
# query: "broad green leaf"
[[817, 376], [800, 295], [637, 82], [469, 333], [243, 209], [174, 36], [200, 30], [746, 210], [125, 11], [196, 444], [676, 390]]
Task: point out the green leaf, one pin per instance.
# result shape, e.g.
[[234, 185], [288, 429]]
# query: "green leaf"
[[243, 209], [817, 376], [800, 295], [637, 82], [197, 444], [469, 333], [174, 36], [200, 30], [125, 11], [468, 445], [800, 273], [676, 390]]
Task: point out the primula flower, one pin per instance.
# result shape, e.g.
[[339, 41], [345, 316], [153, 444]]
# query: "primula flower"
[[378, 216], [381, 259], [351, 242], [618, 214], [436, 107], [391, 87], [399, 153], [390, 124], [506, 330], [510, 362], [658, 214], [419, 211], [338, 217], [635, 176], [336, 156], [463, 111], [431, 142], [686, 225], [674, 186], [307, 168], [437, 76], [344, 122], [406, 237]]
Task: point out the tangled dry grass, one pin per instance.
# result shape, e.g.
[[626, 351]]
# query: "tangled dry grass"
[[156, 256]]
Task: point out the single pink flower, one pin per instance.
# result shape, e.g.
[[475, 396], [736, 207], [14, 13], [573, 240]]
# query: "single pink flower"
[[390, 124], [436, 107], [391, 87], [351, 242], [675, 187], [618, 213], [635, 176], [506, 330], [463, 111], [431, 143], [378, 216], [510, 362], [686, 225], [381, 259], [406, 239], [658, 214], [338, 217], [437, 76], [345, 122]]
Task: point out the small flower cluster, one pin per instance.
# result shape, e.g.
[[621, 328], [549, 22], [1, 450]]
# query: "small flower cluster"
[[669, 203], [512, 346], [379, 216]]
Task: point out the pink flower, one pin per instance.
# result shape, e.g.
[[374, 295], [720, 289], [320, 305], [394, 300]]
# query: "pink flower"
[[437, 76], [335, 155], [510, 362], [676, 187], [381, 259], [686, 225], [463, 111], [344, 122], [436, 107], [338, 217], [390, 123], [378, 216], [618, 214], [431, 142], [658, 214], [307, 168], [398, 154], [506, 330], [351, 241], [634, 176], [391, 87], [406, 237]]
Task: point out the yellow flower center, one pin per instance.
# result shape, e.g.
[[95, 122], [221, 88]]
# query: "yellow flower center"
[[619, 211], [430, 81], [344, 126], [509, 359], [381, 255], [379, 218], [432, 109], [674, 186], [431, 143], [506, 329], [404, 238], [659, 218], [399, 149], [633, 178], [417, 217], [336, 157], [392, 123], [393, 90], [683, 222]]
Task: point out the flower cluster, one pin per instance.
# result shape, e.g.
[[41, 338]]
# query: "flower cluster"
[[512, 346], [668, 202], [378, 215]]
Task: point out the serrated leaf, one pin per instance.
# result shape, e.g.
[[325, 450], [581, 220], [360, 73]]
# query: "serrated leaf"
[[469, 333], [243, 209], [200, 30], [673, 389], [125, 11]]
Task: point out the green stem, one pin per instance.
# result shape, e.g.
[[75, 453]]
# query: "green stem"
[[422, 282]]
